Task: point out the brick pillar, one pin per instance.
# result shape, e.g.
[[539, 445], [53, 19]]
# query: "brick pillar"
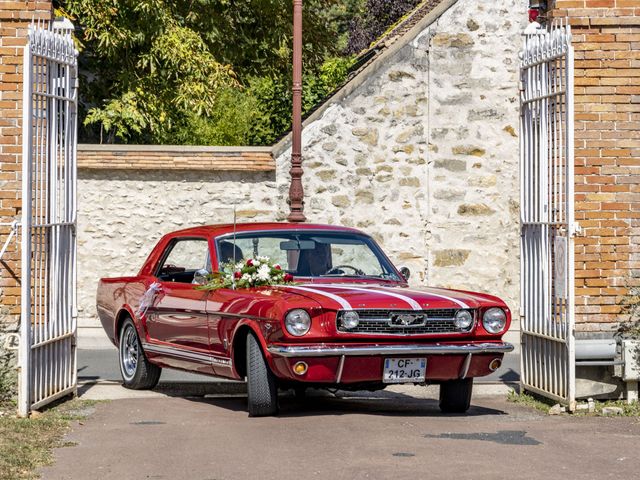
[[606, 37], [15, 16]]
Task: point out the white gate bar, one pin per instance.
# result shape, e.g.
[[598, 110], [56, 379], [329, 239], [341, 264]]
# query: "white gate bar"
[[24, 351], [48, 348], [547, 219], [571, 224]]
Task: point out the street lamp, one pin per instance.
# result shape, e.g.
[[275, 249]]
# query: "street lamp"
[[296, 191]]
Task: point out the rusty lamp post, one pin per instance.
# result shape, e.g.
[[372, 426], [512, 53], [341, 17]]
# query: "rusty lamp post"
[[296, 191]]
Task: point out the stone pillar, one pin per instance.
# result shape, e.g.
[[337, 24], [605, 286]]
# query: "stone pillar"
[[15, 17]]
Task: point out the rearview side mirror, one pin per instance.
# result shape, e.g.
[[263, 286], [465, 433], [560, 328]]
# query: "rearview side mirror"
[[405, 272], [200, 277]]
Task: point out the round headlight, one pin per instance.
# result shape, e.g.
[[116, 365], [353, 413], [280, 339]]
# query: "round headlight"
[[297, 322], [463, 320], [494, 320], [350, 320]]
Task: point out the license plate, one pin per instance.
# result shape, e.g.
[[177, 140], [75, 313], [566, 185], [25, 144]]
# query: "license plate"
[[404, 370]]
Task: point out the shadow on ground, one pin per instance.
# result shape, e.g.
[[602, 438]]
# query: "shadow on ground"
[[318, 403]]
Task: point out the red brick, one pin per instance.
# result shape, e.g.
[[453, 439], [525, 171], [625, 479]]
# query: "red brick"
[[600, 3]]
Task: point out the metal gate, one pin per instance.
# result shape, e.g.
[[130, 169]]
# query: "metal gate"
[[48, 260], [547, 214]]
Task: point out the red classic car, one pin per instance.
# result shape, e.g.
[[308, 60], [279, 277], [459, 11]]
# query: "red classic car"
[[349, 321]]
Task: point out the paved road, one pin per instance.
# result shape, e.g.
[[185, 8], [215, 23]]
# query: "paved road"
[[102, 364], [386, 435]]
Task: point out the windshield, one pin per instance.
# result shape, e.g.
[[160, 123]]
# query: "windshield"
[[310, 254]]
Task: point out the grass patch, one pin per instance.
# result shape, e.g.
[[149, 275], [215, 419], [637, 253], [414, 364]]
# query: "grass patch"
[[532, 401], [543, 405], [27, 444], [628, 410]]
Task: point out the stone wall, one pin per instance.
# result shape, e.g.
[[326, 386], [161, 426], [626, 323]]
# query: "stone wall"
[[124, 211], [423, 154]]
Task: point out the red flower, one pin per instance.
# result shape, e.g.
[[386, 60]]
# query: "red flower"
[[288, 277], [237, 274], [250, 263], [277, 267]]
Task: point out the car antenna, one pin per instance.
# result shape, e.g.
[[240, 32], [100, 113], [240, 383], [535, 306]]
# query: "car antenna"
[[233, 274]]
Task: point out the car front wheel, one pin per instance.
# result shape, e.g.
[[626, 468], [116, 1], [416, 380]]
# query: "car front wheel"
[[455, 395], [261, 382], [137, 372]]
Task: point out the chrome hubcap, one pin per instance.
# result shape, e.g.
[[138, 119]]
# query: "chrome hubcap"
[[129, 352]]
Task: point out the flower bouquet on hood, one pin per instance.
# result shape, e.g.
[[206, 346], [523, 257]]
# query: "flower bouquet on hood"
[[249, 273]]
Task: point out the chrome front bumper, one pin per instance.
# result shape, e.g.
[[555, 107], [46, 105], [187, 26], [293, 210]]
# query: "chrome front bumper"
[[375, 350]]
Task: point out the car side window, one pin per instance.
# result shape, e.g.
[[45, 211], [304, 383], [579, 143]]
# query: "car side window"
[[184, 259]]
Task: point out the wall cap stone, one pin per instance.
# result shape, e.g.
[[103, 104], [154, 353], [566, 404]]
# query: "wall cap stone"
[[87, 147], [174, 157]]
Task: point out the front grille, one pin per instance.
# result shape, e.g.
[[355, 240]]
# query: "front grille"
[[372, 322]]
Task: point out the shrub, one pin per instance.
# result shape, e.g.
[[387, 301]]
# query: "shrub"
[[8, 373], [260, 112], [378, 17]]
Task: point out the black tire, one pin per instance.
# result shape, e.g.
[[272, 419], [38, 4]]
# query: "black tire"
[[136, 370], [455, 395], [261, 382]]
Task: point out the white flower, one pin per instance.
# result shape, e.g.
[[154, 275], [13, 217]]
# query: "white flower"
[[263, 273], [246, 277], [262, 259]]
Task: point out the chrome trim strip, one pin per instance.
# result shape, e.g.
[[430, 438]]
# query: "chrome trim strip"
[[430, 349], [187, 355], [465, 366], [294, 230], [340, 368], [239, 315], [413, 334], [171, 311]]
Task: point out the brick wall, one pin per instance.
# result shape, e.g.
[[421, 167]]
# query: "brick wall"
[[606, 37], [14, 20], [175, 158]]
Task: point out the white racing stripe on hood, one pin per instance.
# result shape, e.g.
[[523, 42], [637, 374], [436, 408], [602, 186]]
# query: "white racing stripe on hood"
[[410, 301], [455, 300], [343, 303]]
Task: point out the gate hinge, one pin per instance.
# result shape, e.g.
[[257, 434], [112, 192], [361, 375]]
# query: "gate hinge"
[[14, 233], [576, 229], [12, 341]]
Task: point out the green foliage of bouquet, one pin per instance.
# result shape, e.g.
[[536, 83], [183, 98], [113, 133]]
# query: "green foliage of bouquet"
[[253, 272]]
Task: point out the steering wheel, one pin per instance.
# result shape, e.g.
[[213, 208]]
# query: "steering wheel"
[[338, 270]]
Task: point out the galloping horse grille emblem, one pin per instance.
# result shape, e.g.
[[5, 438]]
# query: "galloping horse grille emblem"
[[407, 320]]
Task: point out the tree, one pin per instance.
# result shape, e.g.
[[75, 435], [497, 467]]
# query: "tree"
[[151, 64], [209, 71]]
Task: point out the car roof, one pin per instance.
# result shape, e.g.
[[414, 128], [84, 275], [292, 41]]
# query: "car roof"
[[223, 229]]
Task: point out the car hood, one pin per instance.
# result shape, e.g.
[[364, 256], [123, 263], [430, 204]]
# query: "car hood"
[[366, 296]]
